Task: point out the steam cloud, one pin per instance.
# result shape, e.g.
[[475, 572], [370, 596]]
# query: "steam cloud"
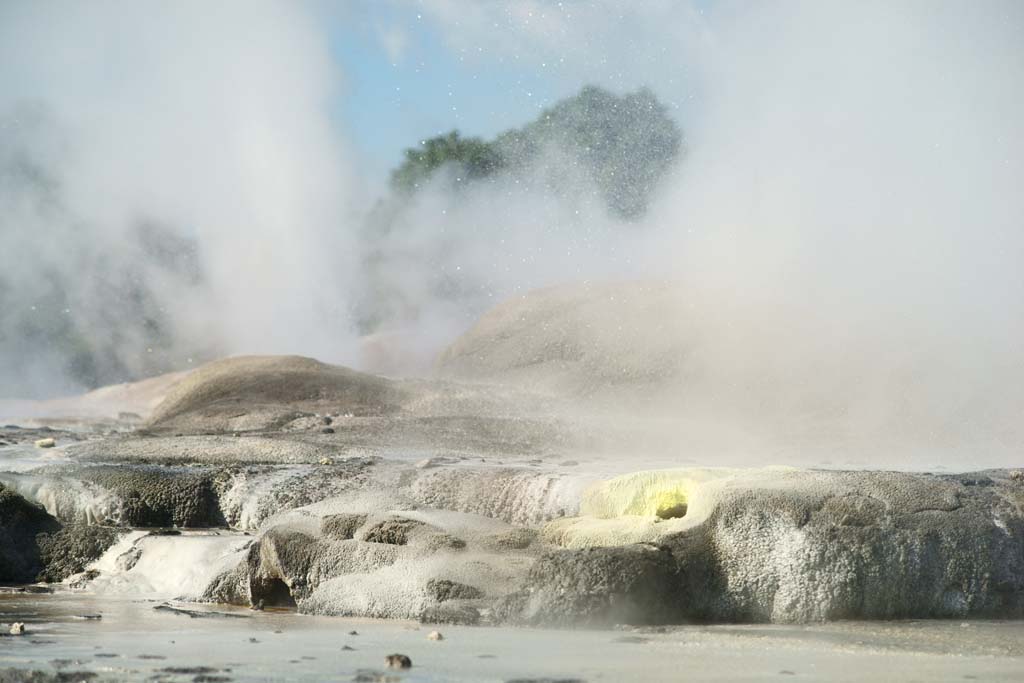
[[179, 123], [847, 224]]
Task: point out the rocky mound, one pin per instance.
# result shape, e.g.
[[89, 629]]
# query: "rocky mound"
[[578, 339], [799, 546], [751, 546], [439, 567], [265, 392]]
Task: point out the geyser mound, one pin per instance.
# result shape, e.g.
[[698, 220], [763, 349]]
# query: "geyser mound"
[[581, 340], [258, 392]]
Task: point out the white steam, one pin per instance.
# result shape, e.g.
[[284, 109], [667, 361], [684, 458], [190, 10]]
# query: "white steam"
[[848, 222], [206, 122], [849, 226]]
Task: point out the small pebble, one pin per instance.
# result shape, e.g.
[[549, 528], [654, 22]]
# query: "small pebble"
[[435, 635], [327, 430], [17, 628], [398, 662], [48, 442], [353, 633]]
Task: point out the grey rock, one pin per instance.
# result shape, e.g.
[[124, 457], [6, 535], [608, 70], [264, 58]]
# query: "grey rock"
[[443, 590], [515, 539], [394, 530], [20, 524], [153, 496], [816, 546], [69, 550], [598, 587], [341, 527], [398, 661], [803, 546], [440, 541]]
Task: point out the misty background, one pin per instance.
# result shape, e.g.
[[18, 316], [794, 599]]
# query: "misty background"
[[836, 188]]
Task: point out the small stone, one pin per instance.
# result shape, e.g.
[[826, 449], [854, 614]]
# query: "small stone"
[[435, 635], [17, 628], [327, 430], [48, 442], [347, 648], [398, 662], [326, 461], [672, 511], [326, 419], [353, 633]]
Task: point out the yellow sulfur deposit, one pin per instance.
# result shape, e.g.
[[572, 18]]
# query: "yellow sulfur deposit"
[[632, 508], [646, 494]]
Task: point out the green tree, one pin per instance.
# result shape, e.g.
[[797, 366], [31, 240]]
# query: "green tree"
[[623, 144], [473, 158]]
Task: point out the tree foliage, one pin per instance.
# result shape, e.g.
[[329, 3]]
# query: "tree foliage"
[[623, 144], [473, 157]]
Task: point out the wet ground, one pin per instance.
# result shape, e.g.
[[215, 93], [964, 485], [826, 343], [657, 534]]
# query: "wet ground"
[[136, 639]]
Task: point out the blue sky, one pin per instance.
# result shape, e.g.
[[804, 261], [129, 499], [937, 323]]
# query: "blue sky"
[[407, 73], [388, 104]]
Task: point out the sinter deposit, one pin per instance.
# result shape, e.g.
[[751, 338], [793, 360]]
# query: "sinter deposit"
[[483, 497]]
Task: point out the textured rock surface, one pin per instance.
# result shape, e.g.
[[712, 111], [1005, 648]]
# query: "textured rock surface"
[[261, 392], [160, 497], [20, 523], [635, 584], [69, 550], [342, 527], [301, 559], [444, 590], [798, 546], [427, 533], [807, 546]]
